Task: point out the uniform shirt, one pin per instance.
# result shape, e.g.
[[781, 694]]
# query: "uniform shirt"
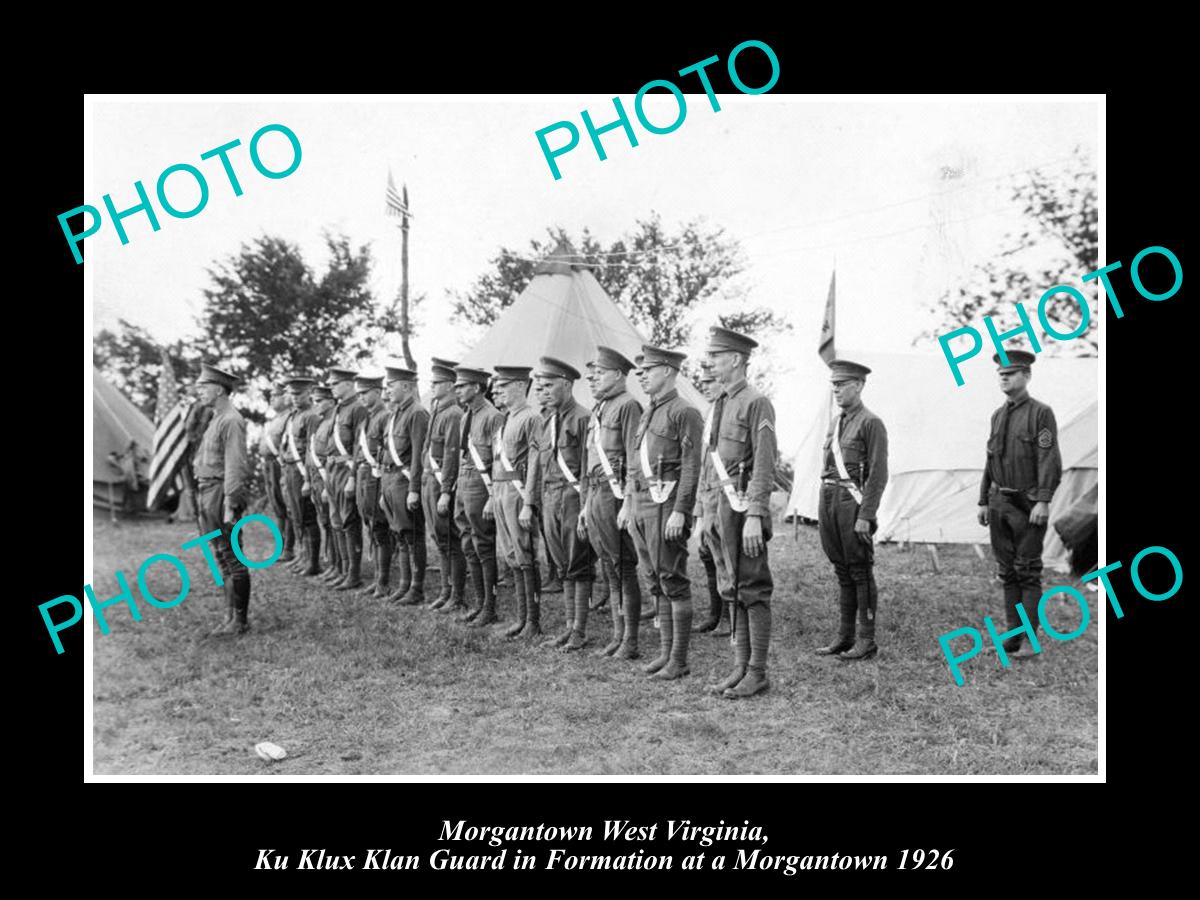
[[350, 416], [518, 434], [485, 419], [615, 419], [273, 434], [404, 432], [671, 428], [744, 426], [321, 443], [441, 442], [372, 428], [299, 426], [222, 453], [863, 440], [563, 431], [1022, 451]]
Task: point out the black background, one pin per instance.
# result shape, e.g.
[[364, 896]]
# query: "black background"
[[1014, 832]]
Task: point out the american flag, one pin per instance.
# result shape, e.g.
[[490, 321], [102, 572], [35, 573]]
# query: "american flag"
[[396, 205], [170, 436]]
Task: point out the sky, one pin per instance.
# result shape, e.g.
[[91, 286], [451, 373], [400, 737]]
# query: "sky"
[[902, 197]]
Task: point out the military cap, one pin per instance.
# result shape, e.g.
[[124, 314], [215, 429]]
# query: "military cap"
[[365, 382], [337, 374], [465, 375], [443, 363], [441, 373], [638, 360], [213, 375], [844, 370], [505, 374], [659, 356], [299, 380], [1017, 360], [721, 340], [549, 367], [608, 358], [322, 392], [399, 373]]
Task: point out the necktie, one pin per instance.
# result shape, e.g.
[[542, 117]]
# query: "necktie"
[[718, 409], [1002, 434], [554, 432], [465, 434]]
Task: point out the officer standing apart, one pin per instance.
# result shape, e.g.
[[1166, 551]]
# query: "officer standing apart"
[[660, 497], [440, 468], [611, 443], [477, 439], [510, 481], [741, 447], [556, 473], [223, 485], [1023, 469], [853, 477], [403, 437], [300, 425], [720, 587]]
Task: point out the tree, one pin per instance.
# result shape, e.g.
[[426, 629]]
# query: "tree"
[[655, 277], [267, 313], [130, 358], [1058, 246]]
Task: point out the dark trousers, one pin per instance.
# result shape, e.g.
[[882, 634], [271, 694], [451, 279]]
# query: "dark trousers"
[[366, 492], [1016, 545], [752, 573], [665, 562], [210, 503], [560, 515], [478, 534]]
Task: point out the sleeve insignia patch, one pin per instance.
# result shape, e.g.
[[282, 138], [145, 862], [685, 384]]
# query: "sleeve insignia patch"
[[1045, 439], [766, 423]]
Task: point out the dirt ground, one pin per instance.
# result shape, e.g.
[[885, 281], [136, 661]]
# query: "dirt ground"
[[349, 686]]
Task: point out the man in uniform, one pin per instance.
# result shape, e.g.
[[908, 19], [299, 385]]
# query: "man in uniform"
[[477, 435], [611, 444], [510, 494], [301, 424], [720, 587], [660, 497], [1022, 471], [852, 481], [439, 465], [223, 484], [268, 448], [555, 474], [349, 416], [368, 462], [319, 448], [741, 448], [400, 496], [552, 584]]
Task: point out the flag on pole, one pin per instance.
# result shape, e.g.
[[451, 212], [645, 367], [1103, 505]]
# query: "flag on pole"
[[825, 348], [395, 203], [170, 436]]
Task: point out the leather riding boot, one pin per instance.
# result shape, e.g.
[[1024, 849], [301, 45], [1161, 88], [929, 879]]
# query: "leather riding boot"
[[443, 596], [666, 631], [847, 603], [241, 598], [458, 582], [384, 553], [399, 559], [741, 650], [314, 550], [616, 613], [227, 625], [533, 618], [864, 647], [353, 579], [681, 624], [488, 615], [289, 542], [1031, 596], [713, 619], [417, 553], [518, 579], [560, 639]]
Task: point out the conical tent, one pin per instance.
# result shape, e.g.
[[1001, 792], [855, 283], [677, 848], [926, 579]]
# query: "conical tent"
[[117, 425], [937, 436], [565, 313]]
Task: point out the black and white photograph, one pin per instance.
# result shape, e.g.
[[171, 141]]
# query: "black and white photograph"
[[692, 433]]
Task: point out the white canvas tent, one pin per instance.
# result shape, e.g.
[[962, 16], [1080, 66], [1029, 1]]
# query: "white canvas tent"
[[565, 313], [937, 433]]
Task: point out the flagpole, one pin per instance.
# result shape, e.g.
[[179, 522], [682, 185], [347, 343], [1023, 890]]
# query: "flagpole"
[[404, 323]]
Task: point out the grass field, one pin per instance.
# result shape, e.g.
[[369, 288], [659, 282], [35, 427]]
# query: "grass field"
[[349, 686]]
